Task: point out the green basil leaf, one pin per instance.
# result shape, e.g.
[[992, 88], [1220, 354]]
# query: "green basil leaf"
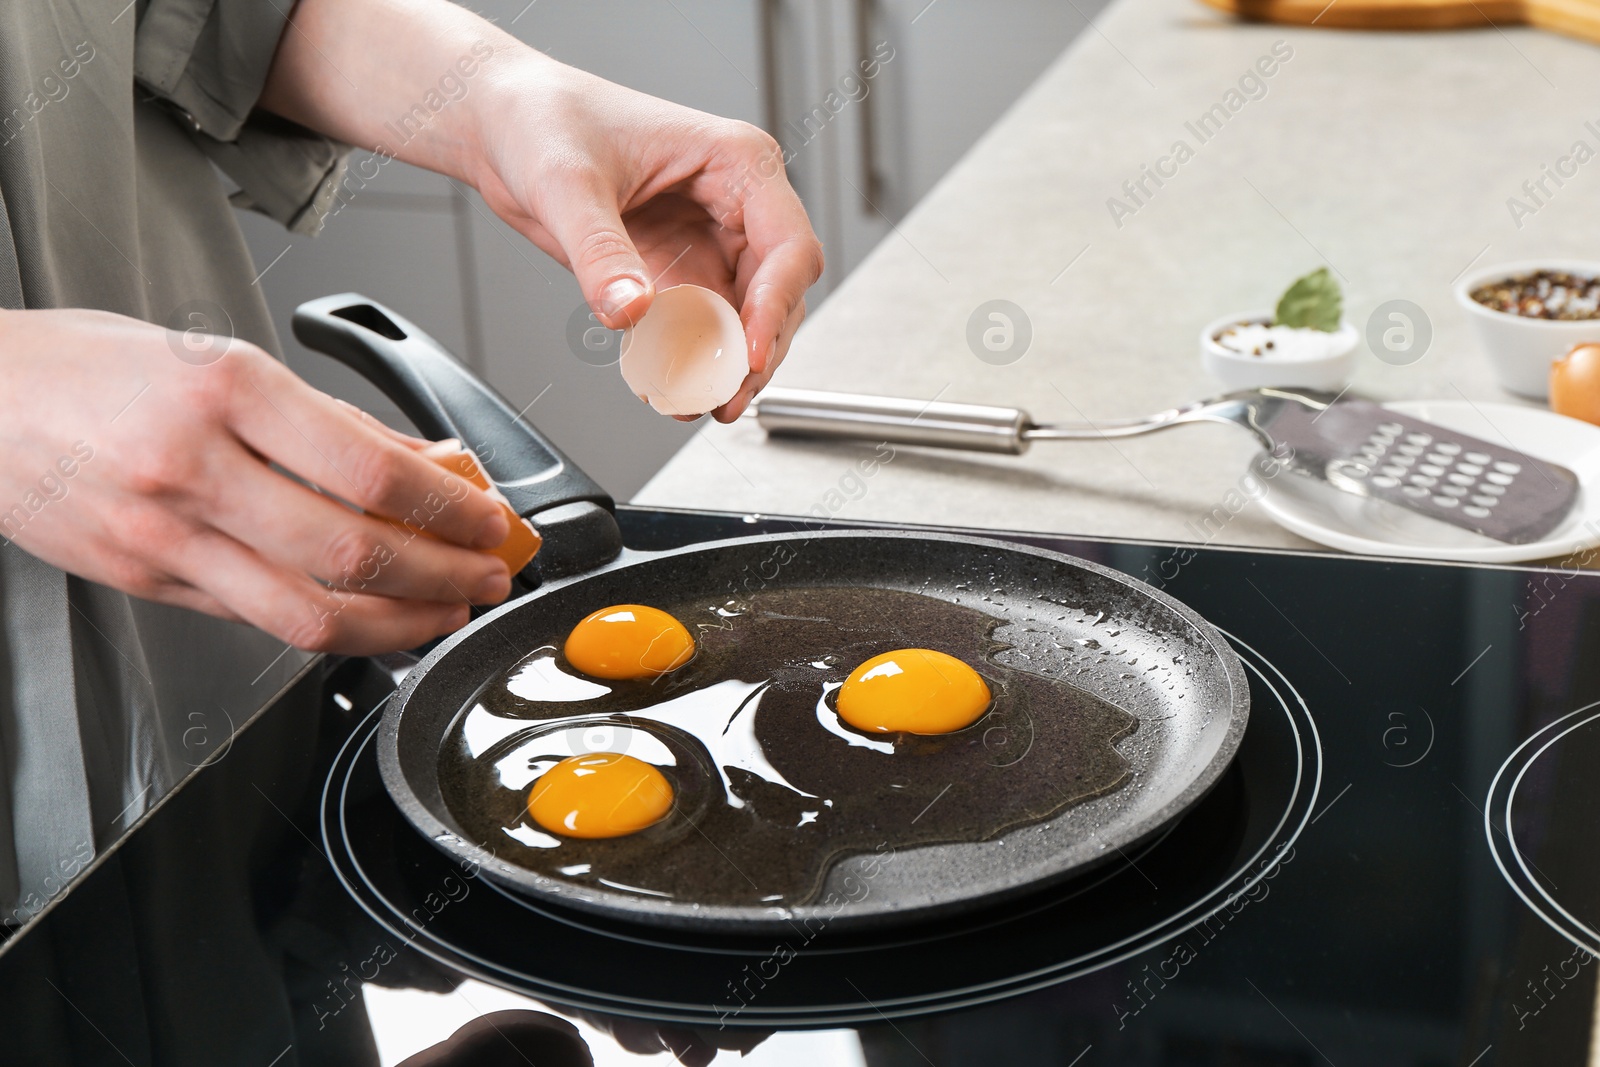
[[1313, 302]]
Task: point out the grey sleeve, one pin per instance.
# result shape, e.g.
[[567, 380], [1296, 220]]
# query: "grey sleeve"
[[208, 61]]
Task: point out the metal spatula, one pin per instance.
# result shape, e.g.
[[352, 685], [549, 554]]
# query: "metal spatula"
[[1351, 444]]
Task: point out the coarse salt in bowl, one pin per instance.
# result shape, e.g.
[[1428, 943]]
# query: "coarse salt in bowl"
[[1245, 351]]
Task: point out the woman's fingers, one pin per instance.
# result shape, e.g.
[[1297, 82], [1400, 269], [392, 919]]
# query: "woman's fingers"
[[308, 433], [583, 215], [292, 526], [301, 612], [756, 381], [680, 242], [371, 421], [788, 260], [776, 291]]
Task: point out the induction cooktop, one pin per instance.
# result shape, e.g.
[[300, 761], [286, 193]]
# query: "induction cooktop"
[[1399, 868]]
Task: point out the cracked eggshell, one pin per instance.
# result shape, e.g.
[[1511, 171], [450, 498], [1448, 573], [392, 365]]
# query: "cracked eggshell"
[[687, 355]]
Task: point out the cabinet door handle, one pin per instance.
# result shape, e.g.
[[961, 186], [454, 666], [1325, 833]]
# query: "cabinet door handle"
[[872, 181], [768, 15]]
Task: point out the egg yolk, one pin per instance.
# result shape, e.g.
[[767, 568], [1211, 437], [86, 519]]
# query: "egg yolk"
[[913, 690], [599, 794], [629, 641]]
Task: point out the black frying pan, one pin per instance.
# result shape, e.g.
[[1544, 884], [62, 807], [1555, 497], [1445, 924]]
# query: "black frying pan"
[[1190, 721]]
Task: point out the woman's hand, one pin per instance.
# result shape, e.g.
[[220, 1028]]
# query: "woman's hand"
[[631, 192], [634, 194], [130, 466]]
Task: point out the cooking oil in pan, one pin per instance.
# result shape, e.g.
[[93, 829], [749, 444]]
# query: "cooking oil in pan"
[[769, 785]]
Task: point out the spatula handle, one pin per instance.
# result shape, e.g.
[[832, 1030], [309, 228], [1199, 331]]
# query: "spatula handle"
[[855, 416]]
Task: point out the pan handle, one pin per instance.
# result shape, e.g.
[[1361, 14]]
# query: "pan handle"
[[445, 399]]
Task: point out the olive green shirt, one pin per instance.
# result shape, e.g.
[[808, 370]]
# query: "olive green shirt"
[[123, 133]]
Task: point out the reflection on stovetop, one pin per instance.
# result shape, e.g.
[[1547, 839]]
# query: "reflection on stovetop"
[[218, 932]]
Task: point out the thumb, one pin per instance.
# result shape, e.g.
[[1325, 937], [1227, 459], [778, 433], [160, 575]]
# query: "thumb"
[[609, 269]]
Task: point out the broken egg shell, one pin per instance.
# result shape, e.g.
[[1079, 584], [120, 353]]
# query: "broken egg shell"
[[686, 356], [522, 541]]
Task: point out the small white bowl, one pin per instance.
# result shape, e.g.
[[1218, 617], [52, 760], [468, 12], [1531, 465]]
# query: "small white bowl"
[[1237, 371], [1521, 349]]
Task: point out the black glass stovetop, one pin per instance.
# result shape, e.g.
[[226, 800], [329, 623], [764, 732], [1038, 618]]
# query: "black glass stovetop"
[[1400, 868]]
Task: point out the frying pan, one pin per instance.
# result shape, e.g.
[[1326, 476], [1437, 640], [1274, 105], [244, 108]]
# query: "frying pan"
[[1170, 669]]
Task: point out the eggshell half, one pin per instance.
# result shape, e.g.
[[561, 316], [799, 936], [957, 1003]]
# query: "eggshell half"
[[687, 355], [522, 541]]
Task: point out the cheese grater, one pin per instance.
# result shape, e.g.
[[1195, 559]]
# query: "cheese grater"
[[1352, 444]]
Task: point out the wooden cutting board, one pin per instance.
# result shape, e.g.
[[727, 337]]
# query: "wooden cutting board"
[[1575, 18]]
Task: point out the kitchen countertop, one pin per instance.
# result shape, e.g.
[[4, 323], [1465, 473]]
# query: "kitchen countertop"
[[1389, 157]]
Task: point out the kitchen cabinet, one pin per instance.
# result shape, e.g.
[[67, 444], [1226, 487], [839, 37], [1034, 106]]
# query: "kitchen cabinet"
[[862, 151]]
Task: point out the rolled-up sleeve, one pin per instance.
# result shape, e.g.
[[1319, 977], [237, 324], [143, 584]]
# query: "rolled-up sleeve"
[[208, 60]]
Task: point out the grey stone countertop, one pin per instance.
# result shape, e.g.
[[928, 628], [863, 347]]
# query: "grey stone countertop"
[[1389, 157]]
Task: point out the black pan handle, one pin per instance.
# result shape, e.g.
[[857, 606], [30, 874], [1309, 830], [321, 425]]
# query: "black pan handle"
[[445, 399]]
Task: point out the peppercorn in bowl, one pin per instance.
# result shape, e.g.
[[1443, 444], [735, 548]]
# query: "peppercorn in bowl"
[[1527, 315]]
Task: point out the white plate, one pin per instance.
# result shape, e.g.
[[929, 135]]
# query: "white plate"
[[1369, 527]]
